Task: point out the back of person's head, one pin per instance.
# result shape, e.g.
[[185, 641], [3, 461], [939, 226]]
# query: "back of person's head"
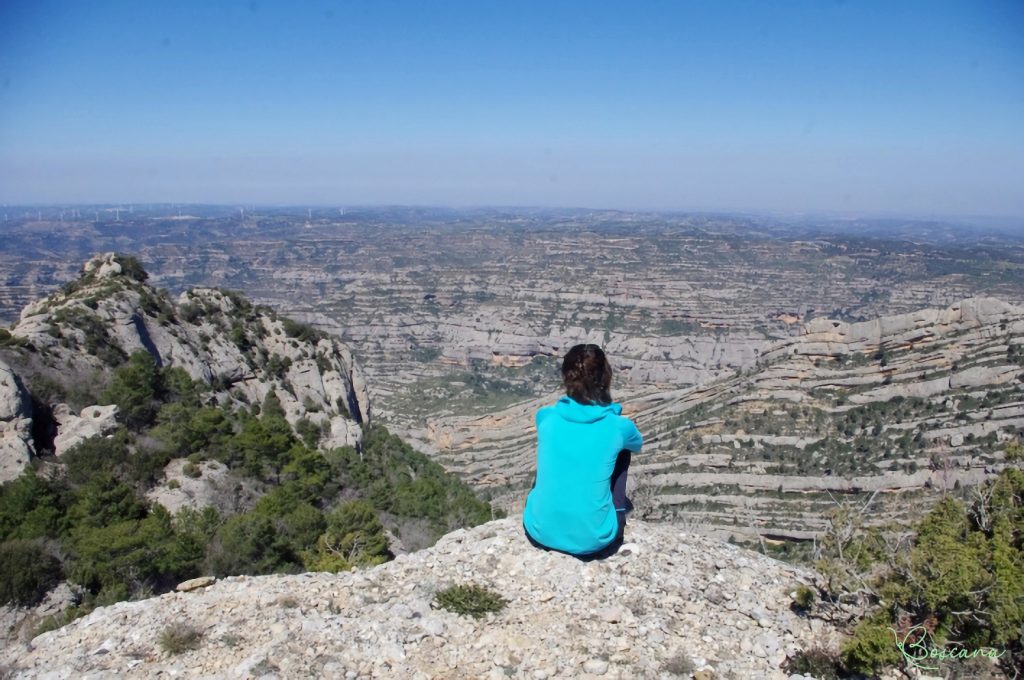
[[587, 375]]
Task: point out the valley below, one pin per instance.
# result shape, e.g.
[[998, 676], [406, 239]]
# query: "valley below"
[[777, 368]]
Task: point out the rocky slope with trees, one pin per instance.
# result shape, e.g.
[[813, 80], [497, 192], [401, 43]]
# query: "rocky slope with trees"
[[65, 345], [147, 441]]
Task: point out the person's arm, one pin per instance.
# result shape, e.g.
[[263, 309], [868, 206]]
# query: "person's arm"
[[632, 440]]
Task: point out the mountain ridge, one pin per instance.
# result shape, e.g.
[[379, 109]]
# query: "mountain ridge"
[[244, 351]]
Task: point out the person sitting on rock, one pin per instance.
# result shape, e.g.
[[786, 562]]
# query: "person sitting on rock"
[[578, 503]]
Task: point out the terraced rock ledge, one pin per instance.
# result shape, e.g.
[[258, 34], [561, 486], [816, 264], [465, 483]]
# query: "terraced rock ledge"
[[904, 407]]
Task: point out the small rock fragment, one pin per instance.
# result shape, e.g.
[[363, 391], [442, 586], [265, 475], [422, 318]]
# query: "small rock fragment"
[[195, 583]]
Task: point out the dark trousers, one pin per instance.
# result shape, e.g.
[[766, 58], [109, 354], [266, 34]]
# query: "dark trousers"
[[622, 506]]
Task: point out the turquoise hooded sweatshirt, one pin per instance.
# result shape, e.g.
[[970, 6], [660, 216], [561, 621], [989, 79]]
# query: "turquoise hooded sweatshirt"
[[570, 506]]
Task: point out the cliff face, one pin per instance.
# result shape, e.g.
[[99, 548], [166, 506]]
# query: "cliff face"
[[899, 405], [65, 345], [668, 604], [16, 447]]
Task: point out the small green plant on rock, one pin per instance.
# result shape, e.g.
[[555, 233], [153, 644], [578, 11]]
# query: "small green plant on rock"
[[804, 598], [816, 662], [679, 665], [288, 602], [471, 600], [55, 621], [178, 638]]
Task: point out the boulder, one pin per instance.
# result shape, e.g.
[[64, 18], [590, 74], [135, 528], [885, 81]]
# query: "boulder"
[[16, 448], [73, 429]]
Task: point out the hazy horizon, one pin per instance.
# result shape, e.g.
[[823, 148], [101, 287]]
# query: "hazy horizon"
[[866, 109]]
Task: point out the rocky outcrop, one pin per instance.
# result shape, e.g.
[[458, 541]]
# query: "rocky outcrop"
[[244, 352], [902, 330], [207, 484], [17, 623], [73, 429], [668, 604], [16, 448]]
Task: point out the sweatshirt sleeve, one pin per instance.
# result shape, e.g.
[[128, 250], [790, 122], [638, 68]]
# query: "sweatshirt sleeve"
[[541, 416], [632, 440]]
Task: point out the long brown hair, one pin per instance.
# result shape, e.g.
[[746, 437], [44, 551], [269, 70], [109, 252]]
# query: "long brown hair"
[[587, 375]]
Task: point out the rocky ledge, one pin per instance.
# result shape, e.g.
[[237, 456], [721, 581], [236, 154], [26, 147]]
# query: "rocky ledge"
[[669, 604]]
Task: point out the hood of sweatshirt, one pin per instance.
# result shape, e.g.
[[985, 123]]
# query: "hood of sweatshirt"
[[572, 410]]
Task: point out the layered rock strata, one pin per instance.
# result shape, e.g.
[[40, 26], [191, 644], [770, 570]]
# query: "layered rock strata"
[[902, 405]]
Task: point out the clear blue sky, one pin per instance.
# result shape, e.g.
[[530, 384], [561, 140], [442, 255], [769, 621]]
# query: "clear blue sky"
[[859, 106]]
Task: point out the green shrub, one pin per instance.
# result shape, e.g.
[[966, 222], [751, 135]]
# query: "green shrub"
[[180, 637], [816, 662], [277, 366], [261, 446], [185, 430], [27, 571], [124, 558], [60, 620], [104, 500], [136, 389], [301, 331], [405, 482], [962, 579], [354, 537], [9, 340], [95, 333], [32, 507], [804, 598], [239, 337], [301, 527], [679, 665], [248, 544], [309, 432], [470, 600], [131, 267], [872, 646]]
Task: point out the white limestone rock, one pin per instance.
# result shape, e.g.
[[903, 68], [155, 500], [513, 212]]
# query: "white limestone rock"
[[209, 488], [16, 447], [73, 429], [104, 266], [673, 595], [217, 337]]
